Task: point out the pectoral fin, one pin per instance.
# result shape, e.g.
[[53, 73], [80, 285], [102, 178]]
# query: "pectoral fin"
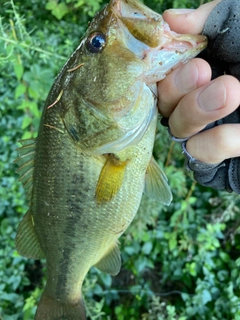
[[110, 179], [26, 240], [111, 261], [156, 185]]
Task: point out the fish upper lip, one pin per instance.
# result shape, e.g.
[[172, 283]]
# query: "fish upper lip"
[[169, 39], [135, 9]]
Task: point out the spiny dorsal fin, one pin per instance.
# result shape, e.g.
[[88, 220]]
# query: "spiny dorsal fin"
[[156, 185], [25, 162], [110, 179], [26, 240], [111, 261]]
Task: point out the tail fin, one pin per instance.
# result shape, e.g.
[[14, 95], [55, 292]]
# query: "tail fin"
[[50, 309]]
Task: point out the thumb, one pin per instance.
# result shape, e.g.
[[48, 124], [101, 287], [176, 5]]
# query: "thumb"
[[188, 20]]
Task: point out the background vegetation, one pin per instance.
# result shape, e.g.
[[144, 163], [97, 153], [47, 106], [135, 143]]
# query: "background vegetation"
[[179, 262]]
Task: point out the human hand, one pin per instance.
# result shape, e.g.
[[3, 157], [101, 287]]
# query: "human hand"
[[191, 100]]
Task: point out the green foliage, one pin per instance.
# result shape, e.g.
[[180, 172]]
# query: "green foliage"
[[179, 262], [59, 10]]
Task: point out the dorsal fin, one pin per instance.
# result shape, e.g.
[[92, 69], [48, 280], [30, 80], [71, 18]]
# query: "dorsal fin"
[[27, 243], [26, 240], [25, 162], [156, 185]]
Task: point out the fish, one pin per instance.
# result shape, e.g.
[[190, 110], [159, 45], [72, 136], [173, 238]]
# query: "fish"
[[86, 171]]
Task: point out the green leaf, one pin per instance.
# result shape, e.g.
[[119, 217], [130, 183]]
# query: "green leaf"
[[223, 275], [51, 5], [206, 296], [106, 278], [24, 51], [224, 256], [33, 108], [18, 69], [147, 247], [57, 10], [237, 262], [192, 269], [216, 243], [173, 242], [26, 122], [9, 296], [30, 302], [21, 89], [129, 250], [26, 135]]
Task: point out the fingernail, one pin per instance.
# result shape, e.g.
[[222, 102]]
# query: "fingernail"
[[186, 78], [213, 97], [180, 11]]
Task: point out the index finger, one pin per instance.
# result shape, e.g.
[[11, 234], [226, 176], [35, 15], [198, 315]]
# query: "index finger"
[[187, 21]]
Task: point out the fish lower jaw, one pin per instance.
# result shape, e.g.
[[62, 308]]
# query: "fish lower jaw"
[[167, 59], [183, 44]]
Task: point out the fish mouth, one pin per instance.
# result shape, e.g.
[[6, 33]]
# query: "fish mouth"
[[142, 22], [164, 48], [149, 27]]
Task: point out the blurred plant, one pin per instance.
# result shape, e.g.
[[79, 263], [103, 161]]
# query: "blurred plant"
[[60, 9]]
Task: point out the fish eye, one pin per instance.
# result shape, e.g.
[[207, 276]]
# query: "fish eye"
[[96, 42]]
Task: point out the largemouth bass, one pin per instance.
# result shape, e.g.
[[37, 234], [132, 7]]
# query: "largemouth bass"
[[92, 160]]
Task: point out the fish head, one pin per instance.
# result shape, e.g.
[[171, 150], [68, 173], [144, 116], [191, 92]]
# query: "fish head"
[[128, 41], [126, 50]]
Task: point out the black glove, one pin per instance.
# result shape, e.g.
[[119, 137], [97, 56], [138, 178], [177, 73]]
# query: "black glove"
[[223, 54]]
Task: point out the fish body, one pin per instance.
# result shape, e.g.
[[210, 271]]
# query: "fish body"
[[92, 160]]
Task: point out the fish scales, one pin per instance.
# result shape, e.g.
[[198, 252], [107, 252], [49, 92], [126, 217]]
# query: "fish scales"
[[72, 192], [92, 160], [75, 200]]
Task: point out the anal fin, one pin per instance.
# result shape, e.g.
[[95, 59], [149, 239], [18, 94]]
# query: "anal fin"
[[111, 261], [26, 240], [110, 179], [156, 185]]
